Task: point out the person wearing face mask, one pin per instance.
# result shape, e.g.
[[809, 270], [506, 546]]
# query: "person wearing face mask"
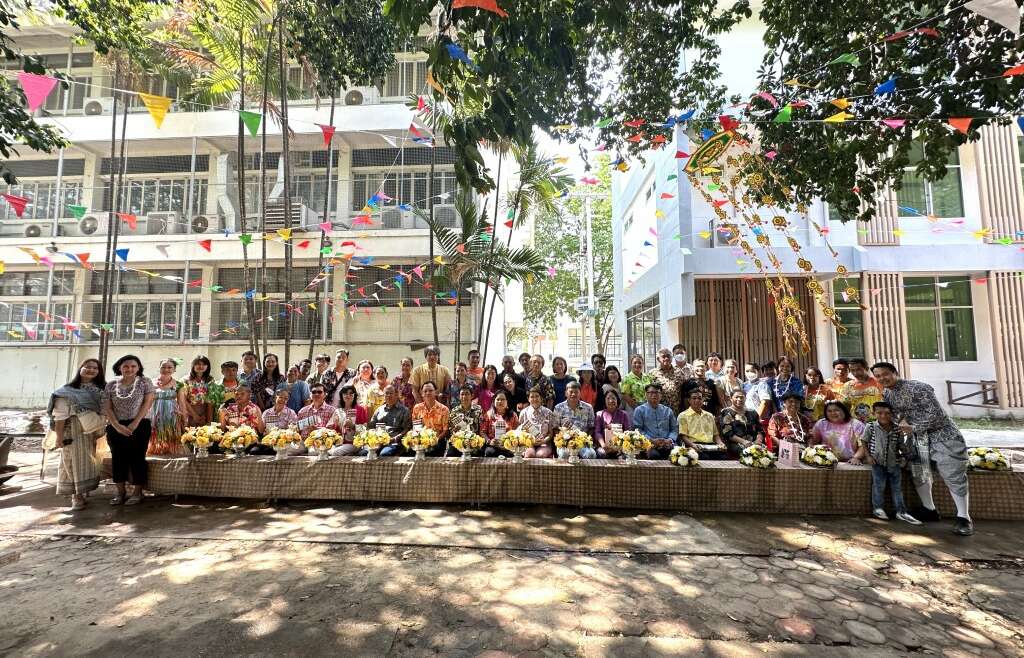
[[679, 362], [751, 376]]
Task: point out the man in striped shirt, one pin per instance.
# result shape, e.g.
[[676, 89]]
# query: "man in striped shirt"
[[317, 414]]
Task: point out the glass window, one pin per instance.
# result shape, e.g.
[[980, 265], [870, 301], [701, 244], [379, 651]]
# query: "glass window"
[[850, 344], [575, 345], [940, 318], [643, 330], [942, 198]]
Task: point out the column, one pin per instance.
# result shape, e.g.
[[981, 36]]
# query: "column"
[[1006, 309], [885, 320]]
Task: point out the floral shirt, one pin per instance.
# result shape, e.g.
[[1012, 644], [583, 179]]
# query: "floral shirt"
[[814, 401], [782, 428], [915, 402], [859, 396], [461, 419], [540, 422], [311, 418], [635, 386], [547, 389], [487, 427], [671, 386], [249, 415], [125, 403], [454, 387], [843, 438], [374, 397], [404, 388], [332, 380], [697, 426], [739, 424], [836, 385], [279, 420], [435, 418], [582, 417]]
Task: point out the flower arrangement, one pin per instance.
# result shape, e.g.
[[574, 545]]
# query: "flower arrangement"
[[819, 456], [279, 439], [757, 456], [631, 442], [466, 441], [517, 440], [322, 439], [242, 436], [202, 437], [572, 438], [371, 439], [987, 459], [683, 456], [423, 438]]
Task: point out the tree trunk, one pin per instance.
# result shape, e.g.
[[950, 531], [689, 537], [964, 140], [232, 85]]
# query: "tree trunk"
[[497, 284], [263, 177], [494, 236], [107, 266], [323, 236], [458, 326], [287, 202], [431, 266], [250, 303]]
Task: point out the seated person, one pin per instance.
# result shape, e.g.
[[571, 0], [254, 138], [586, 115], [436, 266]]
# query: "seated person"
[[657, 422], [395, 418], [698, 429], [839, 430], [243, 411], [433, 415], [790, 424], [279, 417], [466, 416], [500, 418], [612, 414], [576, 413], [346, 417], [739, 426], [317, 413], [541, 423]]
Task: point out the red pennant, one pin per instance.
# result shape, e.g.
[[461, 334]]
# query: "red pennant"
[[83, 259], [17, 202], [928, 31], [195, 283], [658, 139], [666, 195], [328, 132], [1016, 70], [415, 133], [728, 123], [461, 248], [636, 138], [963, 124], [131, 220], [681, 155], [720, 203], [509, 223], [486, 5], [303, 245], [206, 244], [421, 103], [635, 123]]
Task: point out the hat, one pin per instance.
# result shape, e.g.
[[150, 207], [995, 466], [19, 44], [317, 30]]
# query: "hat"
[[585, 366]]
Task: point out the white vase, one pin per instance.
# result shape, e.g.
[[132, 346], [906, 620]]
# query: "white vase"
[[239, 451], [630, 457], [574, 456], [371, 454], [467, 455], [280, 455], [421, 454], [517, 456], [202, 451], [322, 456]]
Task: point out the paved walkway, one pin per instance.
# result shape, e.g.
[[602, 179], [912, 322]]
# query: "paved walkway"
[[196, 576]]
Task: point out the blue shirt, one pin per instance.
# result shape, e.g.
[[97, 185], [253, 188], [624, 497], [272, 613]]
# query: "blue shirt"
[[297, 396], [560, 385], [656, 422]]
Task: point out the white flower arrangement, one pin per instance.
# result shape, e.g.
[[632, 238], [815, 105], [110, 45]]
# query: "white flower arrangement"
[[467, 441], [279, 439], [242, 436], [322, 439], [683, 456], [423, 438], [819, 456], [757, 456], [987, 459], [572, 438], [372, 439]]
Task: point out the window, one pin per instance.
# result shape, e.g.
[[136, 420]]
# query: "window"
[[628, 224], [230, 320], [575, 345], [851, 344], [943, 198], [45, 202], [940, 318], [643, 330], [613, 348], [146, 195], [27, 322], [163, 282], [145, 307], [363, 284], [406, 78], [33, 284]]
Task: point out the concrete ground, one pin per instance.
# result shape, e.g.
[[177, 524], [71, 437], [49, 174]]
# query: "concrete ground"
[[212, 577]]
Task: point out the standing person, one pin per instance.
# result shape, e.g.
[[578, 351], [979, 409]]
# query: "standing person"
[[229, 380], [730, 381], [883, 446], [297, 388], [840, 375], [599, 363], [679, 362], [403, 383], [363, 380], [475, 371], [838, 430], [432, 415], [713, 401], [524, 363], [192, 397], [612, 382], [816, 393], [516, 396], [612, 414], [280, 416], [715, 365], [541, 424], [337, 376], [266, 382], [508, 368], [634, 383], [657, 422], [790, 424], [774, 389], [758, 388], [126, 401], [937, 440], [588, 383], [751, 376], [166, 416], [249, 369], [535, 378], [739, 426], [322, 362], [305, 366], [698, 429], [74, 412], [317, 413], [670, 379], [489, 387], [396, 419], [861, 391], [500, 418], [243, 411], [460, 381], [348, 414], [574, 412], [375, 396], [431, 371]]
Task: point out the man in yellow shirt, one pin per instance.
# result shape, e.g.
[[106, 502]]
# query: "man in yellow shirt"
[[431, 371], [861, 392], [698, 429]]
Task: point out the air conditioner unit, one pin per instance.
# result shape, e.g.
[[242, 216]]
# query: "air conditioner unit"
[[391, 218], [33, 230], [90, 225], [161, 223], [98, 106], [362, 96], [199, 223]]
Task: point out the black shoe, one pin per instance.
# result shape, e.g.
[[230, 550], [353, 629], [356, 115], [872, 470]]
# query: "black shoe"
[[963, 527], [926, 515]]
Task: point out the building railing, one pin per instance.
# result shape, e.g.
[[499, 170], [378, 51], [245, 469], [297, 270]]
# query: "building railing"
[[987, 391]]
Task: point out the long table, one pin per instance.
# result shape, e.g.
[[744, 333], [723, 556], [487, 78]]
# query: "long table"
[[649, 485]]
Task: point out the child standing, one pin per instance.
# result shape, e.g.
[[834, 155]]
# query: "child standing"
[[883, 446]]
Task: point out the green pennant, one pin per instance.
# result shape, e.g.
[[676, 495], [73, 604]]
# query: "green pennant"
[[108, 327], [604, 123], [326, 251], [510, 214], [713, 187], [785, 115], [846, 58], [216, 288], [78, 211], [251, 120], [245, 238], [672, 177], [1007, 241]]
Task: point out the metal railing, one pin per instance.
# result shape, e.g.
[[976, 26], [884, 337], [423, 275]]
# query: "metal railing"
[[987, 391]]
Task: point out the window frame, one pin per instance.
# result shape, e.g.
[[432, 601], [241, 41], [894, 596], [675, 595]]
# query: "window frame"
[[938, 319], [929, 189]]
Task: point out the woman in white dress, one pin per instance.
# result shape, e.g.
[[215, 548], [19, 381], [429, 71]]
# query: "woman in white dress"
[[75, 417]]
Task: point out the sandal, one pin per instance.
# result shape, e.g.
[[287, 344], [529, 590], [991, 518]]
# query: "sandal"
[[134, 500], [117, 500]]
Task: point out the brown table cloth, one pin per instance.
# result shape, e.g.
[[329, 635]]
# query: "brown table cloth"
[[710, 487]]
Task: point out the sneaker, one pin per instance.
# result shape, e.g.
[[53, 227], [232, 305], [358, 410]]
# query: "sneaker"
[[117, 500], [963, 527], [906, 518], [927, 515], [879, 513], [133, 500]]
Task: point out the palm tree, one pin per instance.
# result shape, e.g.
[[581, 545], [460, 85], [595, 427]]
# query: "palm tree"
[[470, 256]]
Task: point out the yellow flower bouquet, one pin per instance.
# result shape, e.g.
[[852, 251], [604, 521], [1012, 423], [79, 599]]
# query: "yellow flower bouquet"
[[684, 456], [202, 437], [631, 443], [280, 439], [322, 440], [572, 440], [517, 442], [420, 440], [757, 456], [466, 442], [240, 438], [371, 439], [987, 459]]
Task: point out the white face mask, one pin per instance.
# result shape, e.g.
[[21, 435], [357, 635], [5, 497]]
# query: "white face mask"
[[751, 376]]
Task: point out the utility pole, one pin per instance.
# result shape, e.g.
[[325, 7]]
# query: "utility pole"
[[591, 302]]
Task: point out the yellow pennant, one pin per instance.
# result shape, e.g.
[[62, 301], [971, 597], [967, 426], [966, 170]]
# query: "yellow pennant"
[[897, 232], [561, 128], [705, 234], [562, 159], [841, 103], [839, 117], [439, 260], [659, 213], [285, 233], [157, 106], [982, 234], [1, 267]]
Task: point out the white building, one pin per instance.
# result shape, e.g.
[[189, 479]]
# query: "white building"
[[943, 305], [183, 188]]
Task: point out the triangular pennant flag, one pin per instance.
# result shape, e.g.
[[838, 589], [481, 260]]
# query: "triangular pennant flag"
[[895, 124], [509, 223], [122, 254], [604, 123], [16, 202], [1004, 12], [84, 260], [36, 88], [839, 117], [841, 103], [325, 227], [1020, 123], [206, 244], [963, 124], [328, 132], [666, 195], [847, 58], [887, 87], [245, 239], [1016, 70], [131, 220], [785, 115], [285, 233], [303, 245], [157, 106], [486, 5], [252, 121], [681, 155], [78, 212]]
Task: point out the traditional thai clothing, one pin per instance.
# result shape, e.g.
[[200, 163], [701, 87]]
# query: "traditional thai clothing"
[[79, 408], [166, 421]]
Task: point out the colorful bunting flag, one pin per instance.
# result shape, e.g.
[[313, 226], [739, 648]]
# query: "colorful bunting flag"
[[841, 103], [887, 87], [328, 132], [78, 212], [122, 254], [681, 155], [895, 124], [157, 106], [839, 117], [456, 52], [666, 195], [206, 244], [1016, 70], [36, 88], [131, 220], [785, 115], [252, 121], [1020, 123], [963, 124], [285, 233], [245, 239], [16, 202], [1003, 12], [846, 58]]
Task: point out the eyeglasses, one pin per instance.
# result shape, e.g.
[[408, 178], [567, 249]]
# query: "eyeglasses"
[[317, 392]]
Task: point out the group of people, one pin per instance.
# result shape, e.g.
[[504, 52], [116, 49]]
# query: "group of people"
[[862, 414]]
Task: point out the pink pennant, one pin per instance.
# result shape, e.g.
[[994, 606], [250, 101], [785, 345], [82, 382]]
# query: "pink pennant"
[[418, 270], [666, 195], [771, 155], [768, 97], [652, 232], [325, 227], [16, 202], [552, 272], [36, 88], [588, 180], [328, 132], [895, 124]]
